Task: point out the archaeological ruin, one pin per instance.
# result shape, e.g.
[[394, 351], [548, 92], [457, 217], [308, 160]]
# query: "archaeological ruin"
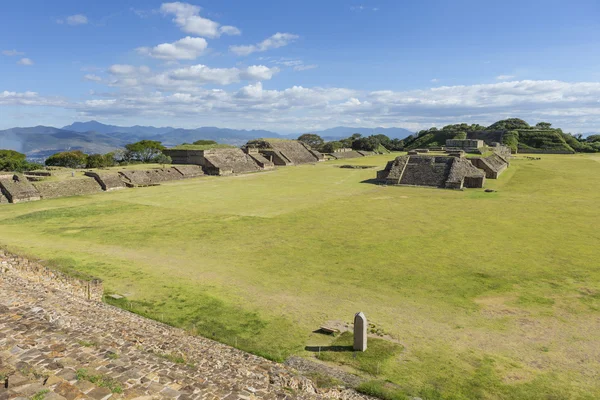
[[220, 161], [493, 165], [434, 171], [285, 152], [15, 188], [59, 341]]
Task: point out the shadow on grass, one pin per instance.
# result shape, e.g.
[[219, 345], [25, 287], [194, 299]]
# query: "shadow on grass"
[[317, 349], [372, 181]]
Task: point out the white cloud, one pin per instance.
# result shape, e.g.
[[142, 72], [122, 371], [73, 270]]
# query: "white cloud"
[[504, 77], [78, 19], [187, 17], [125, 69], [277, 40], [12, 53], [25, 61], [74, 20], [29, 99], [434, 80], [572, 106], [184, 79], [188, 48], [305, 67], [92, 78], [230, 30]]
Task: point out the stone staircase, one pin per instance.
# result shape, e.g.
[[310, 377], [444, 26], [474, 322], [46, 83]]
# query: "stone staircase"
[[56, 346]]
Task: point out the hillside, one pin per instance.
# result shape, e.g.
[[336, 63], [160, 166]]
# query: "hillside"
[[513, 132], [40, 142], [340, 132]]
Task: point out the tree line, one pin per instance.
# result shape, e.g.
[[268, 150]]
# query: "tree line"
[[378, 143], [142, 152]]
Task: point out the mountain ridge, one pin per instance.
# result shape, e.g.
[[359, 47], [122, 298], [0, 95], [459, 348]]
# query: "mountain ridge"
[[96, 137]]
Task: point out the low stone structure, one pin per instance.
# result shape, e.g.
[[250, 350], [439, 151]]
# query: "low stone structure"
[[360, 332], [465, 143], [89, 289], [285, 152], [16, 188], [259, 159], [108, 181], [345, 154], [493, 165], [68, 187], [457, 153], [189, 171], [228, 161], [223, 161], [436, 171], [149, 177]]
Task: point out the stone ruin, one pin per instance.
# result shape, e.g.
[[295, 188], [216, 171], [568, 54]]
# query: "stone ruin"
[[465, 144], [228, 161], [225, 161], [59, 341], [16, 188], [285, 152], [345, 153], [108, 181], [435, 171], [149, 177], [259, 158], [67, 188], [493, 165]]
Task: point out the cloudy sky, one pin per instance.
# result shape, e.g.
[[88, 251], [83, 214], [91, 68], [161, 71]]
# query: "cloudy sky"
[[294, 66]]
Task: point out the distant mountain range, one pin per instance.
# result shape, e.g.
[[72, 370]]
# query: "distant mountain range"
[[95, 137]]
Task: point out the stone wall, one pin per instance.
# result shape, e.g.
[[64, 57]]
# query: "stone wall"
[[91, 289], [345, 154], [493, 165], [16, 188], [189, 171], [68, 187], [149, 177], [107, 180], [186, 157], [523, 150], [435, 171], [465, 143], [228, 161], [286, 152], [258, 158]]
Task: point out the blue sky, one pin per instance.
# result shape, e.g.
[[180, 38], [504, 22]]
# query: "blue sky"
[[296, 66]]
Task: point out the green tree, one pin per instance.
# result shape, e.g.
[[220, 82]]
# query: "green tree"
[[543, 125], [144, 151], [163, 159], [68, 159], [511, 139], [593, 138], [11, 160], [509, 124], [314, 141], [460, 135], [332, 146]]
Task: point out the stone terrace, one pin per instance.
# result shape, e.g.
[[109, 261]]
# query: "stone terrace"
[[50, 340]]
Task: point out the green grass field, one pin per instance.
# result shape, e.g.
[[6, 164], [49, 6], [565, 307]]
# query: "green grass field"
[[488, 295]]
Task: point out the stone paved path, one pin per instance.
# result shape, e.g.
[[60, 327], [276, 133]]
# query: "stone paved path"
[[54, 346]]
